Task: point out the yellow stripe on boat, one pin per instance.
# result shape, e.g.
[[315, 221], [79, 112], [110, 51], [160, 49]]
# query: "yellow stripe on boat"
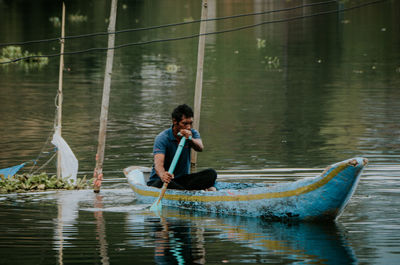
[[248, 197]]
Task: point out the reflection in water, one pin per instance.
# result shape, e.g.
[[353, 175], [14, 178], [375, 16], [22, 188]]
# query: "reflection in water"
[[174, 243], [66, 223], [66, 218], [180, 238], [59, 235], [30, 224], [101, 229]]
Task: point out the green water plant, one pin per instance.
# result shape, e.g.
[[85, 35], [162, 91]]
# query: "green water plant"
[[272, 63], [10, 53], [77, 18], [42, 182], [261, 43], [172, 68], [55, 21]]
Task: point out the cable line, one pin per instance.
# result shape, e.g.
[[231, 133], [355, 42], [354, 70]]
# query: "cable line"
[[168, 25], [200, 20], [197, 35]]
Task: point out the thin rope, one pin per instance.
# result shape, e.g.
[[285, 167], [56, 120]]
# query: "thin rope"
[[35, 161], [47, 140], [168, 25], [45, 164], [197, 35]]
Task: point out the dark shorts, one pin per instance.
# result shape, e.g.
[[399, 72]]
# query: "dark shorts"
[[195, 181]]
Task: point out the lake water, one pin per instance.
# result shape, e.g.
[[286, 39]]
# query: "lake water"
[[285, 99]]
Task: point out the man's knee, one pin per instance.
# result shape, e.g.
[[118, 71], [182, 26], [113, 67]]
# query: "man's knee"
[[211, 173]]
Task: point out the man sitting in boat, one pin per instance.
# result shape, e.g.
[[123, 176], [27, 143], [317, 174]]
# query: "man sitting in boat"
[[165, 146]]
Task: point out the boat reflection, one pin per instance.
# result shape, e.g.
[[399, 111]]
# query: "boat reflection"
[[181, 236], [174, 243]]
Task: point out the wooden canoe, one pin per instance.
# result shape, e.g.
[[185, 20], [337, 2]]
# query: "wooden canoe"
[[323, 197]]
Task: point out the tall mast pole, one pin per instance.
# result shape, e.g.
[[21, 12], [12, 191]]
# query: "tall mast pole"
[[98, 171], [199, 76], [60, 92]]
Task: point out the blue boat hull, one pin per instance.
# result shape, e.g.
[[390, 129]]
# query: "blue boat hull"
[[323, 197]]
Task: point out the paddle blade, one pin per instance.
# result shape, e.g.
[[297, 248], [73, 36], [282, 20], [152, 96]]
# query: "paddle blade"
[[157, 206]]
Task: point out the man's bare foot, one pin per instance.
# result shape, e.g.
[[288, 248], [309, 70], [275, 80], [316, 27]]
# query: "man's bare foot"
[[211, 189]]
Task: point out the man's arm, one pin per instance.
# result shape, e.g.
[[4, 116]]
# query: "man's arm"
[[160, 170], [196, 144]]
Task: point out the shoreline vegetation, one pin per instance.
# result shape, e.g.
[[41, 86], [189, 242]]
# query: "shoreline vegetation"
[[42, 182]]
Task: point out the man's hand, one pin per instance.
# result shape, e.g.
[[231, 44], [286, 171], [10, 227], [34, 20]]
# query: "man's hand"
[[196, 144], [186, 133], [166, 177], [159, 167]]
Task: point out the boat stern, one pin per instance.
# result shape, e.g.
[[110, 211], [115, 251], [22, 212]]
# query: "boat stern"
[[137, 176]]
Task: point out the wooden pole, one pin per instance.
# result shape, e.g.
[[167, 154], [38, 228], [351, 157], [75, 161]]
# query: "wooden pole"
[[60, 92], [199, 76], [98, 171]]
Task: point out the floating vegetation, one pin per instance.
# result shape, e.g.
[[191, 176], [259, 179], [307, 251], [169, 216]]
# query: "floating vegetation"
[[188, 19], [42, 182], [261, 43], [77, 18], [55, 21], [10, 53], [172, 68], [272, 62]]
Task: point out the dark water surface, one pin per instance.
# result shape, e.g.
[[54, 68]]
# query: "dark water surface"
[[285, 99]]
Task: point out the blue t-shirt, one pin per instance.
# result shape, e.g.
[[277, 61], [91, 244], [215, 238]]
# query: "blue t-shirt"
[[166, 143]]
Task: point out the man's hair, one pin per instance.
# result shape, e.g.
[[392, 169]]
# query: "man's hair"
[[181, 110]]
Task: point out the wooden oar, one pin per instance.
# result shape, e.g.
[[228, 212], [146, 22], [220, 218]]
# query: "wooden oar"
[[157, 204]]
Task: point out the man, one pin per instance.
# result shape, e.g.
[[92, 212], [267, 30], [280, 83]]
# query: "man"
[[165, 146]]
